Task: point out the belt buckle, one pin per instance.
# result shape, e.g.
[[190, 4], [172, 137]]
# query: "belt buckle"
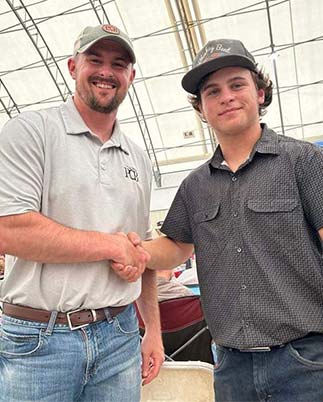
[[257, 349], [74, 327]]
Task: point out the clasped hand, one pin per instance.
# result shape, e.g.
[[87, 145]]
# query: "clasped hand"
[[133, 259]]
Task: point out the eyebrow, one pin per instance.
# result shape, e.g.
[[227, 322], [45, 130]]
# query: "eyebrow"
[[90, 52], [230, 80], [97, 54]]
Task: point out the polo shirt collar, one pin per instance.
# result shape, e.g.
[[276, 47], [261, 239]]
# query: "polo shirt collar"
[[267, 144], [75, 125]]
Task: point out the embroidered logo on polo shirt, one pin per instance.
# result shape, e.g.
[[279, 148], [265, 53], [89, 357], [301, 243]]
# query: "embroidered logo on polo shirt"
[[131, 173]]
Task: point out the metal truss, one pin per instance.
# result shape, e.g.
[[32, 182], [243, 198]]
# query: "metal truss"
[[47, 57], [6, 100]]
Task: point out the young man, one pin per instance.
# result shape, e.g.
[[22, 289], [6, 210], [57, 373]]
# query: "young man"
[[69, 330], [254, 214]]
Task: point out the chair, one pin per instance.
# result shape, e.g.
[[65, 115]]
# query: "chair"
[[181, 382], [184, 331]]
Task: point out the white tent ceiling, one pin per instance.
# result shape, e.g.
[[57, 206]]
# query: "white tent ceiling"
[[285, 36]]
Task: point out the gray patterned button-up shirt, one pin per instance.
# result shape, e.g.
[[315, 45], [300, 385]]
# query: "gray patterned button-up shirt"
[[259, 255]]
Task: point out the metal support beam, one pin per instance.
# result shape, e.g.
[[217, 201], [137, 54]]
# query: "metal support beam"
[[191, 35], [31, 28], [7, 101], [272, 46], [296, 70], [178, 39]]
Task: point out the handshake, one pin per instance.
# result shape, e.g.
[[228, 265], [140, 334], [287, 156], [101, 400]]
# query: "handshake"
[[130, 258]]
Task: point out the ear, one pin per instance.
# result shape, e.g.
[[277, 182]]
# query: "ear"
[[261, 96], [198, 107], [132, 76], [71, 67]]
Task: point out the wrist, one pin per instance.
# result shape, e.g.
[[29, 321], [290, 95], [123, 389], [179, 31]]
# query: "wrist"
[[111, 247], [153, 329]]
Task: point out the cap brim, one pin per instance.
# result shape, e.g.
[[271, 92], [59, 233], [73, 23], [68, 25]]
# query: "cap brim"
[[192, 79], [113, 38]]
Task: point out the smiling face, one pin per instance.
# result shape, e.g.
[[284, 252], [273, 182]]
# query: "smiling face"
[[230, 101], [103, 75]]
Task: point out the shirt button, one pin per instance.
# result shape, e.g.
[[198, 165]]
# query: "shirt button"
[[235, 214], [233, 178], [239, 250], [103, 166], [243, 287]]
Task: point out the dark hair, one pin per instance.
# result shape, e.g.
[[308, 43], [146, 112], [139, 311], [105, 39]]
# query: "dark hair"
[[261, 80]]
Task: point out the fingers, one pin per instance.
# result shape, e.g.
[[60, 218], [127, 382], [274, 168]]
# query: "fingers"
[[145, 366], [152, 371], [145, 254], [121, 234], [126, 272], [151, 368], [134, 238], [131, 261], [152, 353], [143, 259]]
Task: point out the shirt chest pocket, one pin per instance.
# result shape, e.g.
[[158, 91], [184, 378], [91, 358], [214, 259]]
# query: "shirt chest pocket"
[[272, 205], [210, 228], [206, 215]]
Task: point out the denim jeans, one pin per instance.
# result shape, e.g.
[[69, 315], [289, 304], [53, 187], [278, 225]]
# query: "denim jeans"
[[292, 373], [98, 363]]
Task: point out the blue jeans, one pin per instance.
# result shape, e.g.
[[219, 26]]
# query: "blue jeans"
[[292, 373], [98, 363]]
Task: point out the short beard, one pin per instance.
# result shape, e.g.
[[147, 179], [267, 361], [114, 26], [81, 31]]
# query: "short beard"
[[109, 108]]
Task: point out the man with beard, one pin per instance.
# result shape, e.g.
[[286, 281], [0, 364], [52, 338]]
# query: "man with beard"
[[70, 182]]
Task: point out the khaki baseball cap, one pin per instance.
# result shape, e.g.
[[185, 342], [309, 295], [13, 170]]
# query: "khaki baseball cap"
[[215, 55], [90, 35]]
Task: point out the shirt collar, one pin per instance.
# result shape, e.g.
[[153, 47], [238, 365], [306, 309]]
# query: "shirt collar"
[[267, 144], [75, 125]]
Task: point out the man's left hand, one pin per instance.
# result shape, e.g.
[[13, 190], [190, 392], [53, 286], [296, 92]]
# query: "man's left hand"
[[152, 352]]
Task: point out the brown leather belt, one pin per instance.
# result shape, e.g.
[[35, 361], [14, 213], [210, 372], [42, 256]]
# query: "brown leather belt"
[[74, 319]]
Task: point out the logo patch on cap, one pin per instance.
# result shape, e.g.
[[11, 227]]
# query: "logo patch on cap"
[[110, 29], [212, 56]]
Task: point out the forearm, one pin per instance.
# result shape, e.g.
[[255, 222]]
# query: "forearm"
[[166, 253], [152, 350], [147, 302], [32, 236]]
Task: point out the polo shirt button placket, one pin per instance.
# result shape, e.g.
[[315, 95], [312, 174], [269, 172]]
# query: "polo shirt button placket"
[[104, 170]]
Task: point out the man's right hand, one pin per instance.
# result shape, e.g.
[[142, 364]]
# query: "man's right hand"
[[131, 261]]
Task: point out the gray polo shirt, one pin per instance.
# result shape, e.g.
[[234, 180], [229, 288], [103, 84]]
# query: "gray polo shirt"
[[259, 256], [50, 162]]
